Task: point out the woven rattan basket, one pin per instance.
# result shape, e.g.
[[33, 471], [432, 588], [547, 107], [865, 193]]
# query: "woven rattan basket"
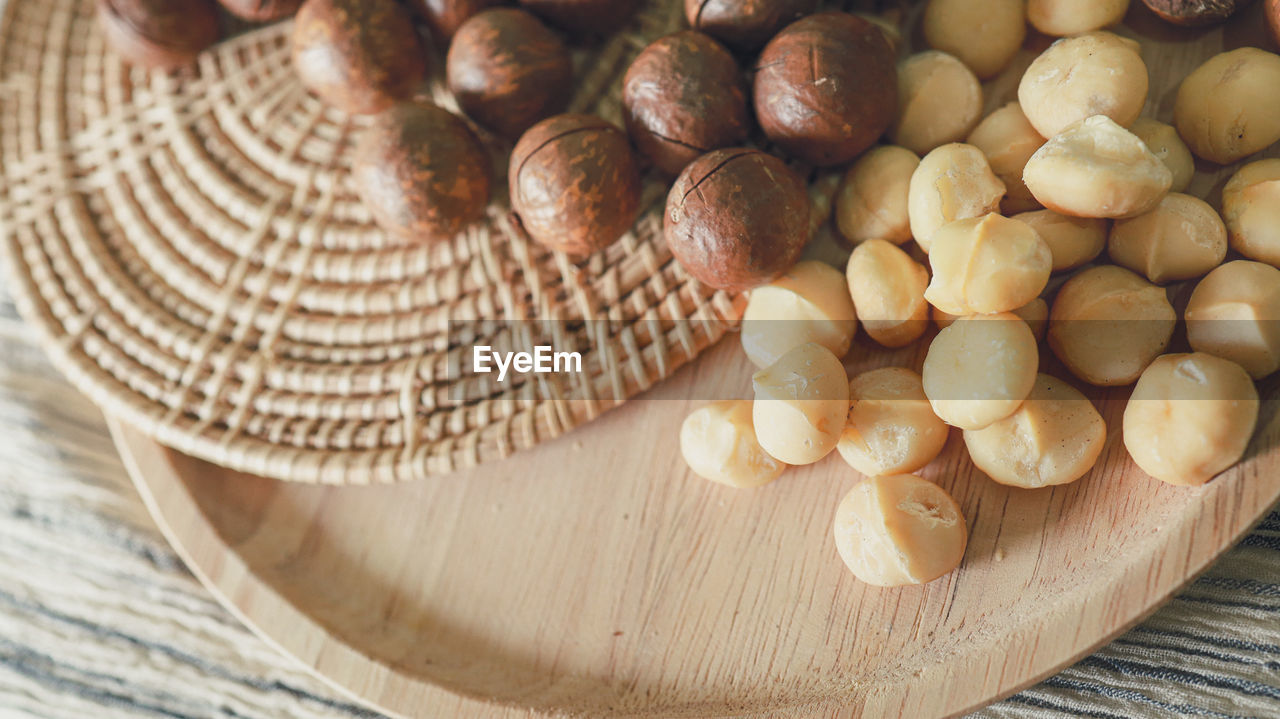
[[191, 249]]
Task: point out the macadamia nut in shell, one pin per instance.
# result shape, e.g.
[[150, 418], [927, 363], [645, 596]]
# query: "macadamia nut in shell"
[[801, 402], [980, 369], [718, 442], [809, 303], [899, 530], [891, 427]]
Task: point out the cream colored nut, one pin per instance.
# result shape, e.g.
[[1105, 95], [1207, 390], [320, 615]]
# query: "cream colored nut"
[[887, 23], [1008, 140], [891, 428], [1228, 108], [1035, 313], [1096, 168], [872, 201], [888, 291], [899, 530], [1107, 324], [1164, 143], [810, 303], [1079, 77], [1234, 313], [1071, 17], [1055, 437], [952, 183], [939, 101], [1251, 209], [1190, 417], [1073, 241], [984, 265], [1182, 238], [718, 442], [984, 34], [980, 369], [801, 402]]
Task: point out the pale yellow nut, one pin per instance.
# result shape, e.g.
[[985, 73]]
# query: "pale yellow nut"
[[1078, 77], [952, 183], [1073, 241], [872, 201], [1229, 108], [939, 101], [1070, 17], [1035, 313], [1055, 437], [891, 427], [979, 369], [984, 34], [1190, 417], [1008, 140], [1163, 141], [899, 530], [1234, 313], [810, 303], [801, 402], [1251, 209], [1096, 168], [1182, 238], [1107, 324], [984, 265], [887, 287], [718, 442]]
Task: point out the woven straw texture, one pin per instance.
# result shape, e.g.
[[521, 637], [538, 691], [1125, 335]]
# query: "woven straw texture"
[[192, 250]]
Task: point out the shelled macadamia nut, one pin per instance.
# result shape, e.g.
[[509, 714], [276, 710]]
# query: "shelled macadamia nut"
[[1095, 168], [1228, 108], [980, 369], [984, 34], [1071, 17], [801, 402], [1107, 324], [1234, 313], [871, 203], [809, 303], [1182, 238], [988, 264], [899, 530], [939, 101], [1190, 417], [891, 427], [1164, 143], [1251, 209], [1073, 241], [1008, 140], [888, 291], [953, 182], [1078, 77], [1035, 313], [718, 442], [1055, 437]]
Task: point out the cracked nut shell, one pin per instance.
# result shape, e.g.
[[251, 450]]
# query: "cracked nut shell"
[[158, 33]]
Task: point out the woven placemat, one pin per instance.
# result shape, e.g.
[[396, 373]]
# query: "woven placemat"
[[192, 250]]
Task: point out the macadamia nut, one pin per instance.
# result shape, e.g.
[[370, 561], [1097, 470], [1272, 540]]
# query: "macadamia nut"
[[1183, 237], [809, 303], [1070, 17], [1234, 313], [1055, 437], [986, 265], [1251, 209], [871, 203], [1228, 108], [891, 427], [952, 183], [980, 369], [1035, 313], [1078, 77], [1008, 140], [1164, 143], [1073, 241], [899, 530], [984, 34], [718, 442], [888, 291], [1190, 417], [801, 402], [939, 101], [1095, 168], [1107, 324]]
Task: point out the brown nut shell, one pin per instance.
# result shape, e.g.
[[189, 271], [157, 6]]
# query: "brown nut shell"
[[737, 218], [683, 97], [1194, 13], [158, 33], [826, 88], [574, 183], [583, 17], [507, 70], [1273, 18], [261, 10], [444, 17], [361, 56], [745, 24]]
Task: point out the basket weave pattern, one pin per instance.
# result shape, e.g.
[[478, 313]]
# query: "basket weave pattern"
[[192, 250]]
